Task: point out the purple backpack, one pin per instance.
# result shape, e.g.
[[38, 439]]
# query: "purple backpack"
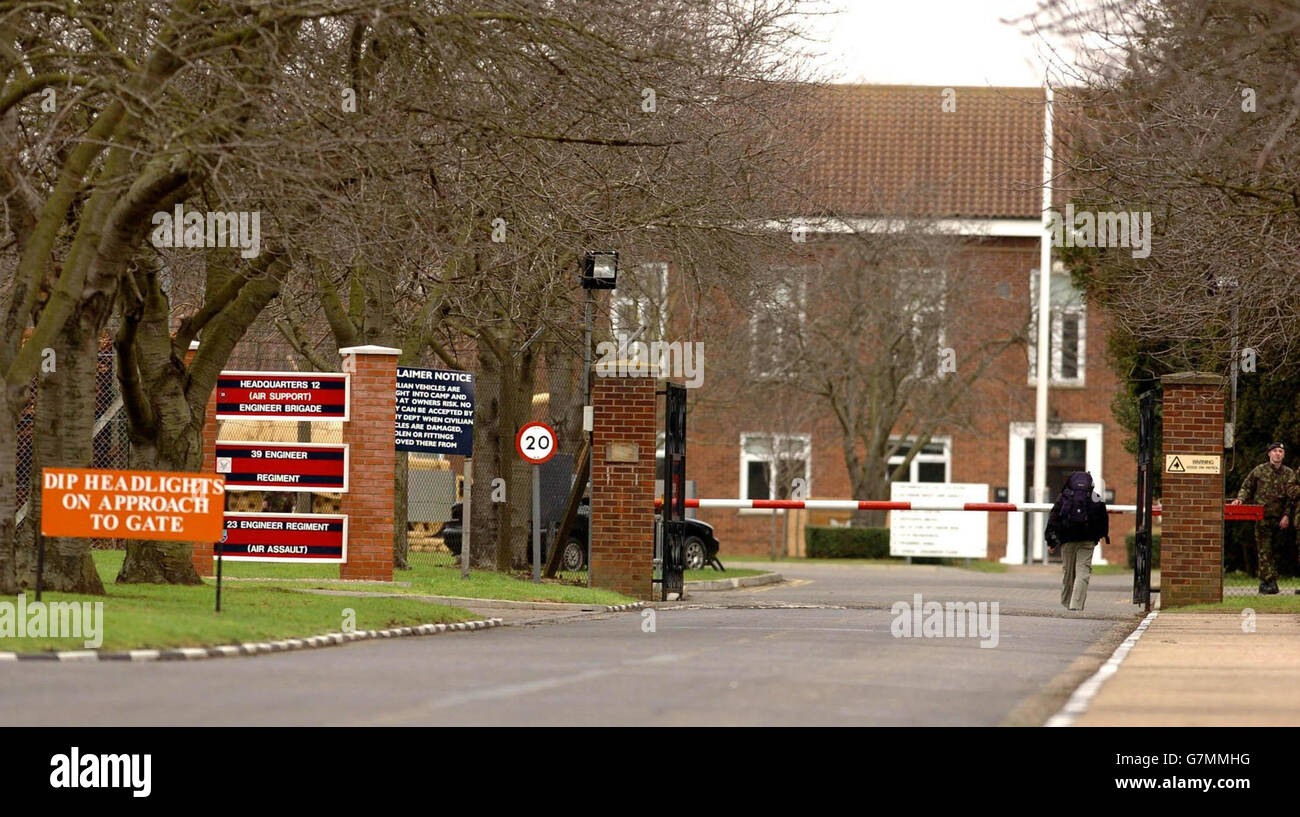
[[1076, 500]]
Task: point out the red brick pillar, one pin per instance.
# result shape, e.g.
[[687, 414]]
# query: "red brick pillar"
[[623, 481], [201, 556], [1191, 525], [369, 436]]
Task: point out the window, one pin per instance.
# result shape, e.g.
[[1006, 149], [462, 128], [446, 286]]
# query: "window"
[[641, 300], [770, 463], [777, 324], [925, 302], [931, 464], [1068, 331]]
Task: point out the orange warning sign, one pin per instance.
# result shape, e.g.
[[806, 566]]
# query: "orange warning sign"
[[83, 502]]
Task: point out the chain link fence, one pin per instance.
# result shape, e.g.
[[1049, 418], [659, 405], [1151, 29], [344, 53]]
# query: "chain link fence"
[[111, 443], [434, 490]]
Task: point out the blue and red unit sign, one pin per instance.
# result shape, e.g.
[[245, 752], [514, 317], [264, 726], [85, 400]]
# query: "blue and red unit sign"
[[254, 466], [282, 396], [285, 537]]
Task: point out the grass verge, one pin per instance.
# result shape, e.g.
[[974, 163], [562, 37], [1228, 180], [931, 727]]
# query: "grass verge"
[[150, 616], [425, 580], [710, 575], [980, 565], [1235, 604]]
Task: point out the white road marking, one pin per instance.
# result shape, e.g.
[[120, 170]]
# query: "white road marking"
[[515, 690], [1078, 703]]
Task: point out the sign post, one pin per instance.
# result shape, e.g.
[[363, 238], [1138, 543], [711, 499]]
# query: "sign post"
[[220, 542], [465, 516], [535, 442], [40, 562], [435, 415]]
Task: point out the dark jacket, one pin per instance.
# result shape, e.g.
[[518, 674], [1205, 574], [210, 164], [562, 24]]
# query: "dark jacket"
[[1097, 527]]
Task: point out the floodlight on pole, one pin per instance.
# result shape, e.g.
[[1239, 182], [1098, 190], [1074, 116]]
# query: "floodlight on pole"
[[600, 270]]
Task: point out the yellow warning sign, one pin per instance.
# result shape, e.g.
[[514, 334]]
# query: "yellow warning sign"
[[1192, 463]]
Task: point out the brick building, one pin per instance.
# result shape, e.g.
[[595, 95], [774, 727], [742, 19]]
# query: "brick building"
[[975, 165]]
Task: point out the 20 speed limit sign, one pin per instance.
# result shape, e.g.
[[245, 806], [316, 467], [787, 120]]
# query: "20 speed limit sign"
[[536, 443]]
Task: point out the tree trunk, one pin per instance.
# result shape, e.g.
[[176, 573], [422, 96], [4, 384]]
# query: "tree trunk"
[[65, 421], [868, 486], [487, 464], [9, 575], [177, 446], [401, 481], [504, 400], [159, 562]]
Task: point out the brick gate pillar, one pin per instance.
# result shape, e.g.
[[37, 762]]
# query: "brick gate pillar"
[[1191, 526], [369, 436], [201, 553], [623, 479]]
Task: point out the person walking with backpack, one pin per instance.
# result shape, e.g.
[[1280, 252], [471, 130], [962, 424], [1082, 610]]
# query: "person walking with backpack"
[[1272, 485], [1078, 522]]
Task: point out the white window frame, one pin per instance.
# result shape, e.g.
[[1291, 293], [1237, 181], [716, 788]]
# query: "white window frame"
[[914, 468], [922, 370], [791, 295], [775, 441], [641, 302], [1057, 333]]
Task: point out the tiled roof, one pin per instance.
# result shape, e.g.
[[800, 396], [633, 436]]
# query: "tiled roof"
[[882, 149]]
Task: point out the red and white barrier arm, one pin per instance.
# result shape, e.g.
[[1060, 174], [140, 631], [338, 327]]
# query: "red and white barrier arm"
[[1230, 512]]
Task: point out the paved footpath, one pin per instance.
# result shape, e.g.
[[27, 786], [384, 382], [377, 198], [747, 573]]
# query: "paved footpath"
[[1203, 669]]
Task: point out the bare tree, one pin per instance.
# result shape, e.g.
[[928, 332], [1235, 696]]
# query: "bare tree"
[[894, 331], [1185, 110]]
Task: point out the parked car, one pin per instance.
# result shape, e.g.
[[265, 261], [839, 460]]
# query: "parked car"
[[701, 545]]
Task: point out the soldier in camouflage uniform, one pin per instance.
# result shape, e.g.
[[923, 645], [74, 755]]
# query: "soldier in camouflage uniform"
[[1274, 486]]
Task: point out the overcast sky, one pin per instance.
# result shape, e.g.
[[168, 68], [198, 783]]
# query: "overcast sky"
[[928, 42]]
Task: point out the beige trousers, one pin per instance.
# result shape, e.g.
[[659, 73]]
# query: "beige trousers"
[[1076, 564]]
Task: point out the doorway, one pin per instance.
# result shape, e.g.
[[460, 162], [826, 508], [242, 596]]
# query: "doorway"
[[1070, 447], [1064, 457]]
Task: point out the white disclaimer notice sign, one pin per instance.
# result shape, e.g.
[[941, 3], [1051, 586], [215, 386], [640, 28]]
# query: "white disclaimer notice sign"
[[939, 533]]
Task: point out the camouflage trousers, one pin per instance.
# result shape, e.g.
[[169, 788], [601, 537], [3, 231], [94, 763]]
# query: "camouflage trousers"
[[1268, 540]]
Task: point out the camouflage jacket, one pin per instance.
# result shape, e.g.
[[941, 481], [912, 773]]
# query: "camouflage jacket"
[[1277, 490]]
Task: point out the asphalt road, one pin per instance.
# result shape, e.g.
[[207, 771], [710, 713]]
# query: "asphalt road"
[[816, 650]]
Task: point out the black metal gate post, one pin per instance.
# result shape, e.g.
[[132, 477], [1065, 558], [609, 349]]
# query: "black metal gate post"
[[674, 477], [1142, 537]]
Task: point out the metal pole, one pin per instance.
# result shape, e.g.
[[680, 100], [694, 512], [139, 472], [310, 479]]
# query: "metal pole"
[[537, 524], [219, 563], [1044, 364], [40, 562], [465, 526], [1236, 365], [586, 397]]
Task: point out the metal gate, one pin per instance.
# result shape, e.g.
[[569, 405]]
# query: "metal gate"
[[674, 477], [1142, 536]]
